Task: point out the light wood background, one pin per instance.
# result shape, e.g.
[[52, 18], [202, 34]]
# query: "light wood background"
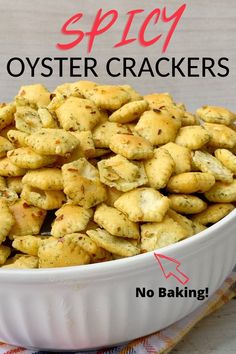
[[208, 28]]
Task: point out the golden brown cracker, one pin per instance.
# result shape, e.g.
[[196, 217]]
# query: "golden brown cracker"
[[186, 204], [78, 114], [192, 137], [115, 222], [26, 158], [45, 179], [191, 182], [6, 220], [221, 136], [112, 243], [158, 127], [103, 133], [227, 158], [129, 112], [5, 146], [143, 204], [215, 114], [70, 219], [107, 96], [181, 156], [52, 142], [132, 147], [205, 162], [8, 169], [28, 219], [222, 192], [82, 184], [121, 173], [62, 252], [159, 168], [213, 213], [46, 200]]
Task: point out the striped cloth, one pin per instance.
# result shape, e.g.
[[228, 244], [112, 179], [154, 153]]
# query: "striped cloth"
[[163, 341]]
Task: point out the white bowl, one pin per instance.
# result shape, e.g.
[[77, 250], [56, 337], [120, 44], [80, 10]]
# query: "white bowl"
[[95, 305]]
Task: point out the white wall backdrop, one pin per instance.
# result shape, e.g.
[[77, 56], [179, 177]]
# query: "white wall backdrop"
[[208, 28]]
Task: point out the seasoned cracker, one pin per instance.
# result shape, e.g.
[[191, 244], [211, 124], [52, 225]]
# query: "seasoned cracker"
[[4, 254], [6, 220], [186, 204], [27, 120], [8, 195], [143, 204], [5, 146], [81, 87], [26, 158], [188, 119], [69, 89], [129, 112], [183, 221], [3, 184], [78, 114], [62, 252], [21, 262], [222, 192], [112, 195], [28, 219], [157, 100], [63, 89], [86, 144], [107, 96], [15, 184], [213, 213], [173, 110], [103, 133], [227, 158], [160, 234], [192, 137], [28, 244], [8, 169], [121, 173], [47, 118], [113, 244], [115, 222], [6, 115], [57, 100], [35, 94], [181, 156], [159, 168], [45, 179], [214, 114], [158, 127], [46, 200], [52, 142], [87, 244], [17, 138], [197, 227], [82, 184], [205, 162], [191, 182], [220, 136], [70, 219], [132, 147]]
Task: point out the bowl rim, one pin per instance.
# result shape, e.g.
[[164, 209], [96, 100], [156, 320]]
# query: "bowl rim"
[[115, 267]]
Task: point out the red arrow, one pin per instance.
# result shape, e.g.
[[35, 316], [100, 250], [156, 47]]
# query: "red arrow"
[[173, 268]]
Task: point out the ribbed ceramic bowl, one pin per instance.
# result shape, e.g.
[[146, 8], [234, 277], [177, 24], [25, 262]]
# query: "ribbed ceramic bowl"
[[96, 305]]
